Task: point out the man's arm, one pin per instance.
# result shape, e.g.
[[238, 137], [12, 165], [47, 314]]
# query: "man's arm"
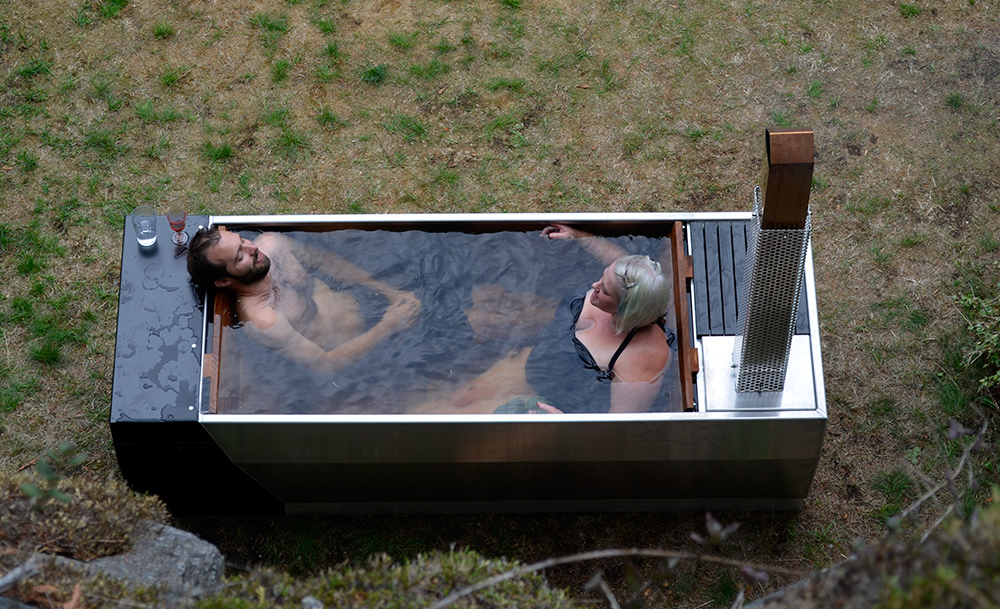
[[339, 268], [273, 331], [602, 249]]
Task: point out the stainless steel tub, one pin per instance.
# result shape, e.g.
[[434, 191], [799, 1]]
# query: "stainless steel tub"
[[730, 451]]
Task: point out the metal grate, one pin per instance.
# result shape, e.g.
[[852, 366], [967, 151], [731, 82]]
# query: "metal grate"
[[771, 283]]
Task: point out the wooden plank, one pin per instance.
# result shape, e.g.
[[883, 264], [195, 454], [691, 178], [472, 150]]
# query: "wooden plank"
[[739, 259], [713, 272], [699, 277], [786, 178], [727, 275], [221, 316], [687, 354]]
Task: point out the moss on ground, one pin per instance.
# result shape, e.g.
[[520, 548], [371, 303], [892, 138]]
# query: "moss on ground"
[[97, 520]]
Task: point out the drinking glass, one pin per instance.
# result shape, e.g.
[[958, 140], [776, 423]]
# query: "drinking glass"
[[176, 217], [144, 221]]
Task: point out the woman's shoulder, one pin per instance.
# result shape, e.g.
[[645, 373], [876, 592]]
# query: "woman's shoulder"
[[646, 356]]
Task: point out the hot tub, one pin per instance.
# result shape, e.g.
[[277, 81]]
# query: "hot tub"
[[710, 448]]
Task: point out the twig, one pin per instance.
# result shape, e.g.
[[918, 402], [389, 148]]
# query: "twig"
[[598, 581], [937, 523], [597, 555], [28, 569], [949, 480]]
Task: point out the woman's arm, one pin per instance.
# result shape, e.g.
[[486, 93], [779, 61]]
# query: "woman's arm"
[[602, 249]]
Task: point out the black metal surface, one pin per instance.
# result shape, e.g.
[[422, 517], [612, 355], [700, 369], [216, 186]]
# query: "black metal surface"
[[718, 257], [158, 346]]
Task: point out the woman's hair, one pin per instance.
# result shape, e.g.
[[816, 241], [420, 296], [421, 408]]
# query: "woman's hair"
[[643, 292], [203, 271]]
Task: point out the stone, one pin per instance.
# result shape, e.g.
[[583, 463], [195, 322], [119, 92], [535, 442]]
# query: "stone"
[[178, 563]]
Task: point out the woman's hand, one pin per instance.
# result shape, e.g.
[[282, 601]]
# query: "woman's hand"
[[561, 231], [546, 408]]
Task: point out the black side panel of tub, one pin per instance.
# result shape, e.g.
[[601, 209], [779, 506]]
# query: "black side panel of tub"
[[181, 464], [718, 258]]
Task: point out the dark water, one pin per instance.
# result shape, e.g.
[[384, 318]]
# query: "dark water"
[[444, 271]]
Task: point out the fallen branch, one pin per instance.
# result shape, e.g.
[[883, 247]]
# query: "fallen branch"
[[597, 555], [15, 575]]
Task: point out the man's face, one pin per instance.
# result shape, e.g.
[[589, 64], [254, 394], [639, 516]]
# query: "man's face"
[[244, 262]]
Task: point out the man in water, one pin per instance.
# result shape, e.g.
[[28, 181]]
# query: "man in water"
[[288, 310]]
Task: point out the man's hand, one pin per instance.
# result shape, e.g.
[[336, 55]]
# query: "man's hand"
[[402, 312]]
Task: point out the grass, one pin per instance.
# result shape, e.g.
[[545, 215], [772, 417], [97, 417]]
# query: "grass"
[[328, 119], [406, 126], [217, 152], [602, 107], [163, 30], [375, 75]]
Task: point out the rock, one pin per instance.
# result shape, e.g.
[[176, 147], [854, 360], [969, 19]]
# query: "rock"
[[310, 602], [178, 563]]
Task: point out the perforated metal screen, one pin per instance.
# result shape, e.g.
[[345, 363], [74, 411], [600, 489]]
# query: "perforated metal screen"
[[775, 266]]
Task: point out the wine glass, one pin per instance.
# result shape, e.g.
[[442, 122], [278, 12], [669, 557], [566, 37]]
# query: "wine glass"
[[176, 217]]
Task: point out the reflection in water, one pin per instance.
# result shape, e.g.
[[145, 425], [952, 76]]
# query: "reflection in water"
[[483, 298]]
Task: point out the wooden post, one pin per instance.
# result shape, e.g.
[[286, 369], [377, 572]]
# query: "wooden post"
[[787, 178]]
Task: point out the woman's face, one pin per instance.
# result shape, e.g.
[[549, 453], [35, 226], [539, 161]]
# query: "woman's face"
[[604, 296]]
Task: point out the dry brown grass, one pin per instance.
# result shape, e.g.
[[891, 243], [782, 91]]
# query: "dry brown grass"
[[626, 105]]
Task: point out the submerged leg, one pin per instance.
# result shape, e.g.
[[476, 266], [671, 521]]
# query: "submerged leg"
[[484, 394]]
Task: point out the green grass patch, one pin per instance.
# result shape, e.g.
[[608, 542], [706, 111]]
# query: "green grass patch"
[[33, 68], [271, 28], [432, 69], [14, 392], [513, 84], [443, 47], [402, 41], [163, 30], [170, 76], [325, 25], [868, 205], [27, 161], [897, 487], [149, 113], [290, 143], [105, 143], [217, 152], [375, 75], [328, 119], [914, 240], [277, 116], [909, 11], [780, 119], [104, 91], [406, 126], [281, 69]]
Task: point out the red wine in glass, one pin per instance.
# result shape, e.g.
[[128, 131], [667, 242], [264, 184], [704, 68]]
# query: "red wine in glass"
[[176, 217]]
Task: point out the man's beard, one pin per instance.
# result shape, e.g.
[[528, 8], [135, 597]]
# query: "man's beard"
[[256, 273]]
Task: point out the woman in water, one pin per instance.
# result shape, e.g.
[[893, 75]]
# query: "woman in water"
[[605, 351]]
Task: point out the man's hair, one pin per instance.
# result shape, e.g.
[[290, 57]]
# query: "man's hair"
[[643, 292], [203, 271]]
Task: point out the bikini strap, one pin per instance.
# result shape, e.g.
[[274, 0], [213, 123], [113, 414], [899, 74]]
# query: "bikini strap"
[[621, 347]]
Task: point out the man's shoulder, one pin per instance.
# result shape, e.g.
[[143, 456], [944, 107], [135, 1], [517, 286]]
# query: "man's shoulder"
[[260, 313], [272, 241]]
